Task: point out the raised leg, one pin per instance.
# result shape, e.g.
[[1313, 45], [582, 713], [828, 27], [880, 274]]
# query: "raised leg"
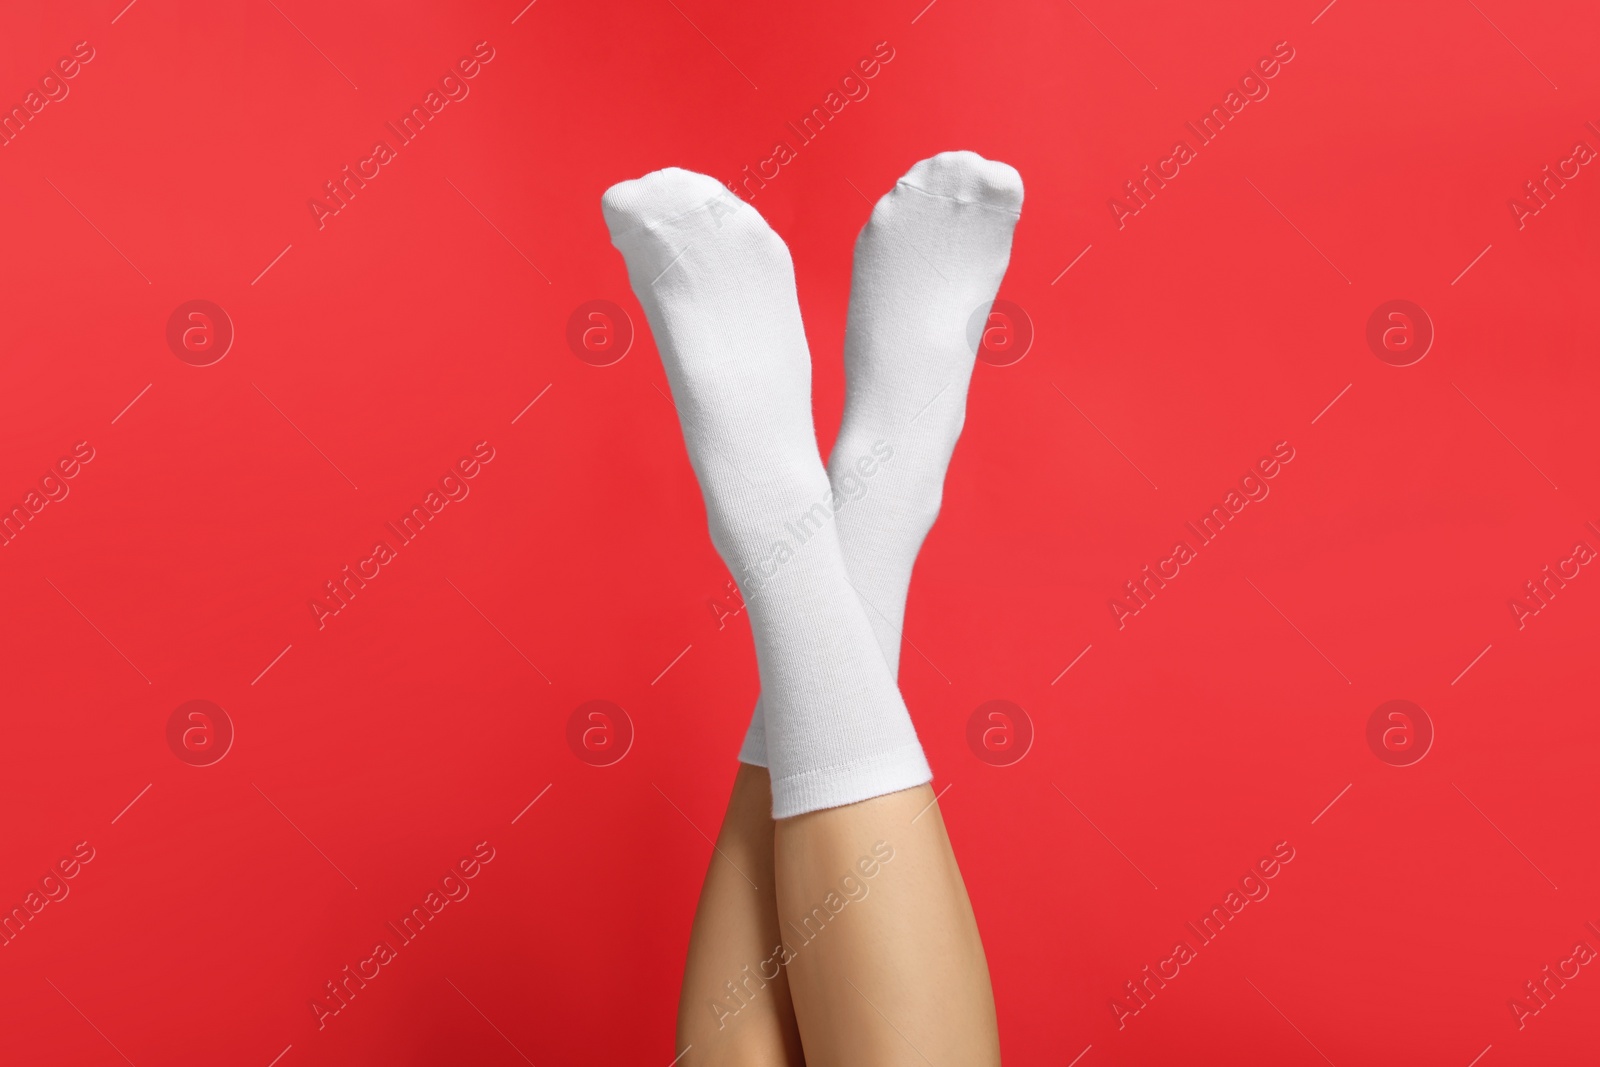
[[734, 1008], [888, 967]]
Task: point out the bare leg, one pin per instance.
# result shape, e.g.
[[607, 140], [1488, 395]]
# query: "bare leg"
[[735, 940], [888, 967]]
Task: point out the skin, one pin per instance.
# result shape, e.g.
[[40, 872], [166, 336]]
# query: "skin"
[[736, 926], [891, 970]]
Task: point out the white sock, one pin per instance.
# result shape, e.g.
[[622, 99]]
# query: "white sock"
[[717, 286], [930, 258]]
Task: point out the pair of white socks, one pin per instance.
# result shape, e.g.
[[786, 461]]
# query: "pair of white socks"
[[823, 557]]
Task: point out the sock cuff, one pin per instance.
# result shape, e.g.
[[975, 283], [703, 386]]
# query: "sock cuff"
[[848, 783], [754, 750]]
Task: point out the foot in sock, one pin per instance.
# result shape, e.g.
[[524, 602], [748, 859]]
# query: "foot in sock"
[[717, 286], [929, 260]]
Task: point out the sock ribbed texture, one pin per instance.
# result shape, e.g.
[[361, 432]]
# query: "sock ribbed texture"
[[929, 259], [717, 286]]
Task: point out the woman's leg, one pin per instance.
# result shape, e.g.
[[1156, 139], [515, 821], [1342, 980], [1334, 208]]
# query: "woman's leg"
[[717, 286], [887, 966], [734, 1007]]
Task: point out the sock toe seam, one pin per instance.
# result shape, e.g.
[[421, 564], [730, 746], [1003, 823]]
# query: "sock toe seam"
[[1017, 214], [654, 224]]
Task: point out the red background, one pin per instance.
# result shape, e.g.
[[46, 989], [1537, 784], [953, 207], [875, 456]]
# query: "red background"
[[377, 350]]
